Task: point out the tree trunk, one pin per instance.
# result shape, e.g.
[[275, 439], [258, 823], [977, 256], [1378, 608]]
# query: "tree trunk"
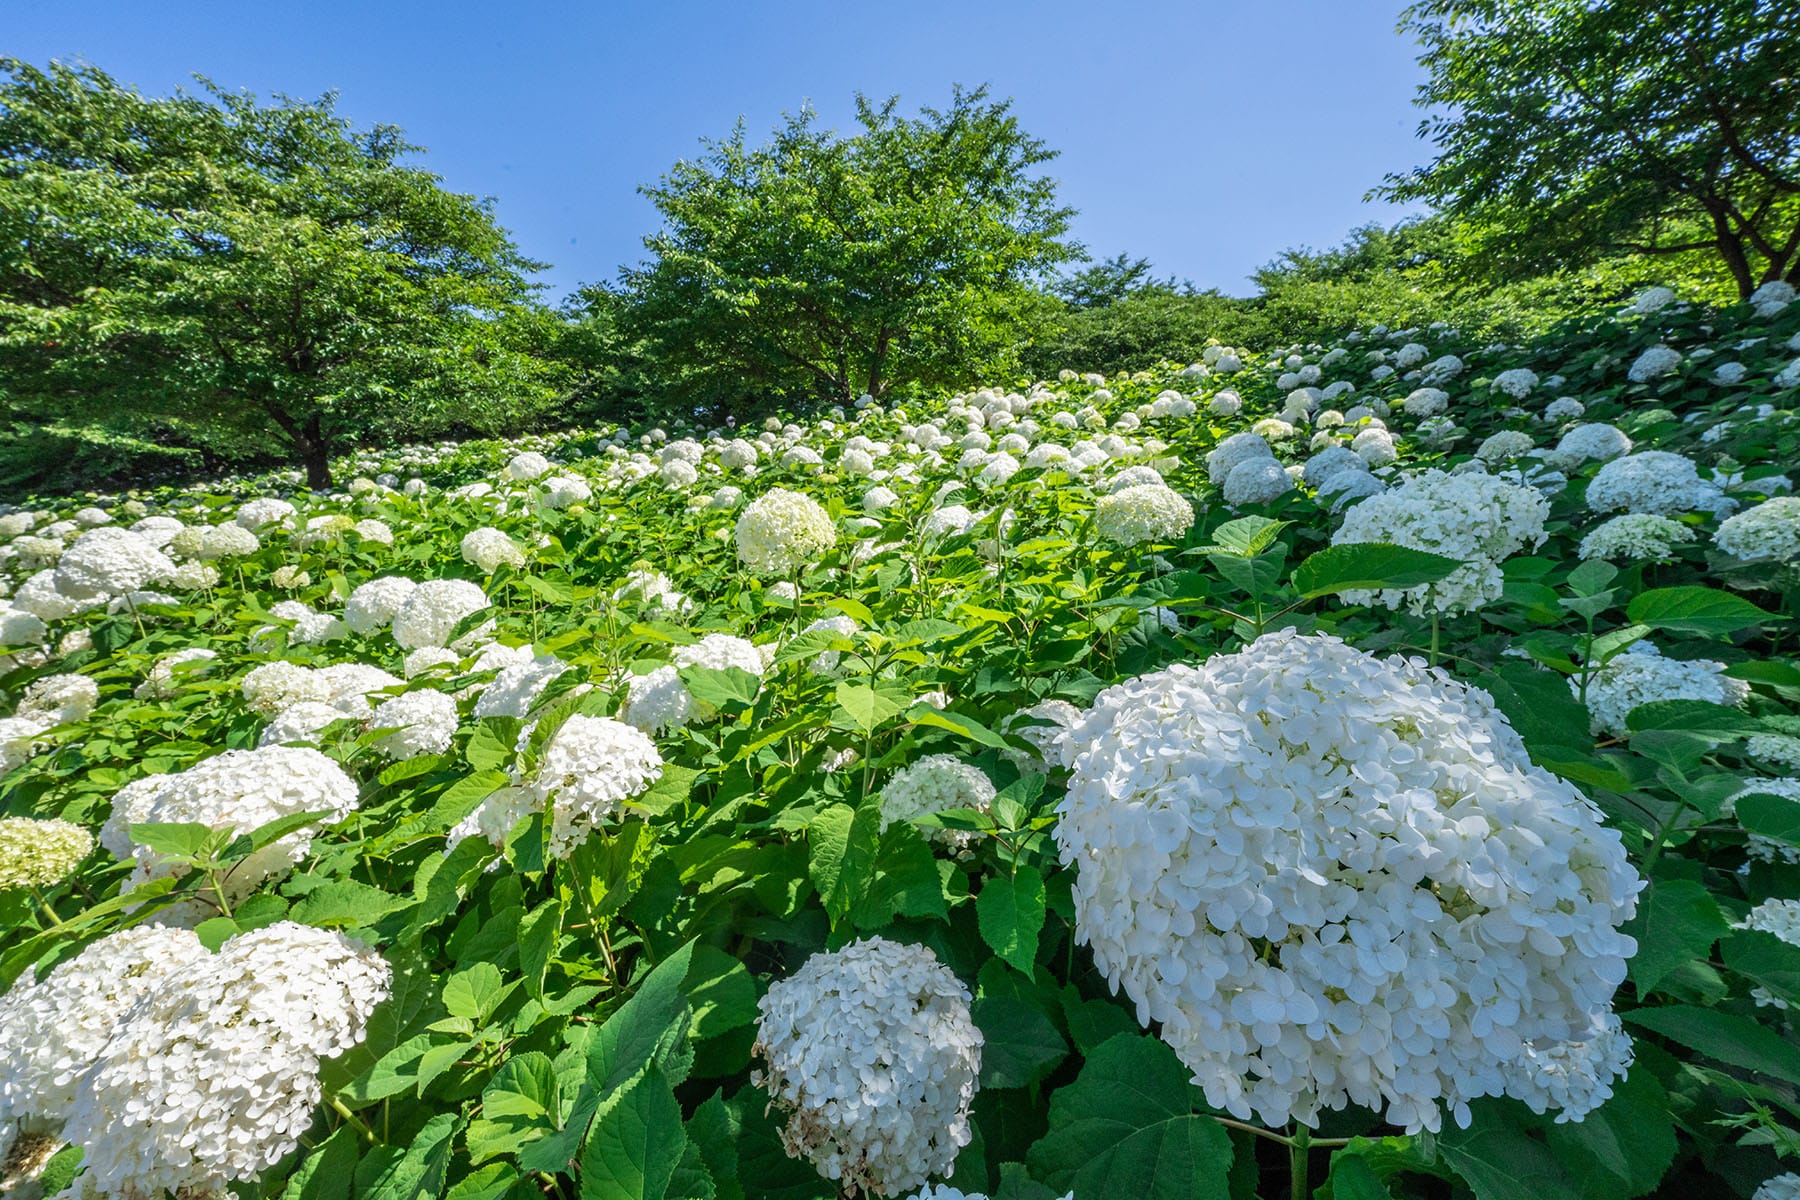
[[318, 465], [1731, 249]]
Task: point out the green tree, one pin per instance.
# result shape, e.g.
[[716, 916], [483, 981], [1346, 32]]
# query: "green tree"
[[821, 266], [259, 270], [1573, 130], [1106, 282]]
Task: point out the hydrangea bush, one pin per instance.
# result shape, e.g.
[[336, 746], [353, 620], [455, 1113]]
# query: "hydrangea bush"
[[1373, 765]]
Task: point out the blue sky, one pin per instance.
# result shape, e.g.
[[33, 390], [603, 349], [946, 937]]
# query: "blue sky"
[[1206, 135]]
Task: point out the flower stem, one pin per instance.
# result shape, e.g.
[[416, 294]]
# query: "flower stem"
[[1300, 1146]]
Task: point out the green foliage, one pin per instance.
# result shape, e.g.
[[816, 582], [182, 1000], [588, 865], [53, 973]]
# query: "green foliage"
[[819, 266], [1567, 131], [262, 273]]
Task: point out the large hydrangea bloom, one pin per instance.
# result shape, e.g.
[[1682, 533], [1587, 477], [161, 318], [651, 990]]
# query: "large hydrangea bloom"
[[783, 532], [1333, 878]]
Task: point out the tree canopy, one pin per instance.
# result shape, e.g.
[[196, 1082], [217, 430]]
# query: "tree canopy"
[[260, 269], [820, 266], [1570, 130]]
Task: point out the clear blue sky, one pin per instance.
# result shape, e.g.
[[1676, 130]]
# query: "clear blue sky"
[[1207, 135]]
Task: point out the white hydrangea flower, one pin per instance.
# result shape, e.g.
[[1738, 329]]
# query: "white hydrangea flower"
[[1504, 445], [1651, 481], [212, 1077], [1653, 299], [516, 689], [1770, 530], [20, 628], [526, 467], [1781, 918], [1425, 402], [274, 686], [1232, 452], [872, 1053], [39, 853], [1143, 513], [1654, 363], [59, 699], [108, 561], [301, 724], [1050, 741], [432, 611], [652, 589], [781, 533], [1772, 297], [424, 722], [236, 789], [372, 605], [264, 511], [1565, 408], [1600, 441], [659, 701], [1636, 536], [1334, 878], [562, 491], [489, 549], [934, 784], [52, 1030], [1256, 481], [948, 521], [1641, 675], [1476, 518], [828, 661]]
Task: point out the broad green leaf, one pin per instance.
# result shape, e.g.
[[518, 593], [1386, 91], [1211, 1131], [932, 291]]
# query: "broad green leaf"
[[519, 1105], [539, 930], [635, 1144], [418, 1174], [906, 880], [1731, 1039], [1127, 1127], [485, 1183], [1539, 705], [1676, 920], [325, 1172], [969, 727], [1369, 566], [1022, 1042], [868, 709], [1245, 536], [841, 855], [346, 903], [1695, 610], [1352, 1178], [1500, 1160], [1623, 1147], [474, 993], [1766, 960], [279, 828], [721, 992], [721, 686], [630, 1037], [1772, 816], [183, 840], [1011, 914], [488, 748], [1693, 716]]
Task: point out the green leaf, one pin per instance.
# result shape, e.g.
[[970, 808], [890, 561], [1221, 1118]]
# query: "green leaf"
[[519, 1105], [1677, 920], [1772, 816], [630, 1037], [346, 902], [1352, 1178], [461, 798], [1538, 704], [867, 708], [1499, 1159], [636, 1142], [721, 686], [1245, 536], [1369, 566], [1623, 1147], [721, 991], [841, 845], [1766, 960], [187, 841], [1011, 914], [484, 1183], [969, 727], [1697, 717], [488, 748], [1022, 1043], [474, 993], [1731, 1039], [280, 827], [325, 1173], [906, 881], [417, 1174], [1127, 1127], [394, 1072], [539, 930], [1695, 610]]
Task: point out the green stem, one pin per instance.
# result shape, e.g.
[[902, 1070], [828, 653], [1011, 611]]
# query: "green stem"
[[1300, 1147], [352, 1120], [55, 921], [1433, 660]]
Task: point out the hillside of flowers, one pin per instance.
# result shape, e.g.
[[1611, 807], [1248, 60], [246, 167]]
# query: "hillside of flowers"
[[1354, 771]]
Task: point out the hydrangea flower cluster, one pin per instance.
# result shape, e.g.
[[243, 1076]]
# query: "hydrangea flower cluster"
[[237, 789], [934, 784], [1770, 530], [430, 613], [781, 533], [38, 853], [1143, 513], [489, 549], [1476, 518], [659, 701], [1781, 918], [1642, 675], [873, 1054], [213, 1076], [1333, 878], [1636, 536], [423, 722], [1651, 481]]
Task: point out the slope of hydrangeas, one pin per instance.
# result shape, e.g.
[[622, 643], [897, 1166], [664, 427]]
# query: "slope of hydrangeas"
[[1381, 757]]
